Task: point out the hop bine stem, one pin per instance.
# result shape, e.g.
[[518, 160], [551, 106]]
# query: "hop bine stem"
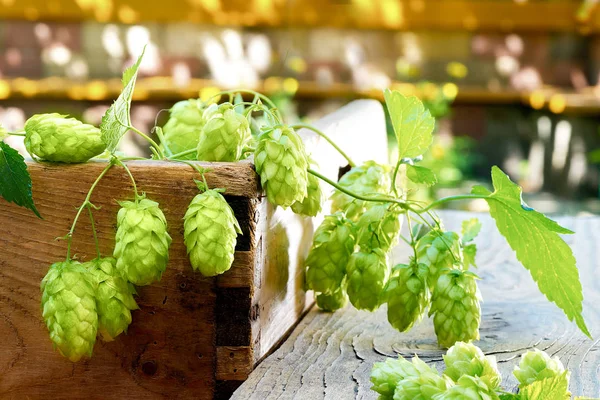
[[155, 147], [135, 191], [181, 154], [94, 231], [256, 94], [324, 136], [86, 204]]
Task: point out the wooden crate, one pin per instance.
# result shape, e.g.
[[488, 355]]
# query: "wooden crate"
[[193, 337]]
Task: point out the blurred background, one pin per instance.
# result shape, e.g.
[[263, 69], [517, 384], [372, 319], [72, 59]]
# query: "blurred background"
[[512, 82]]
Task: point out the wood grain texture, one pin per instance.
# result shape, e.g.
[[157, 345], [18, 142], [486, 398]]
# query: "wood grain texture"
[[330, 355]]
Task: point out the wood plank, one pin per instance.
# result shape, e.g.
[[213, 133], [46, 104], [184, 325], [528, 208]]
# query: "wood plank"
[[234, 363], [532, 15], [330, 355]]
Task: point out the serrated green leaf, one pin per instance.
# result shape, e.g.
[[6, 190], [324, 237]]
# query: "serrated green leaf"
[[509, 396], [116, 121], [412, 123], [534, 237], [421, 175], [469, 254], [470, 229], [15, 182], [555, 388]]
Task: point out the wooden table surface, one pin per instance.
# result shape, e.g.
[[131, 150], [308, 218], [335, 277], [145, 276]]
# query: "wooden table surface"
[[330, 355]]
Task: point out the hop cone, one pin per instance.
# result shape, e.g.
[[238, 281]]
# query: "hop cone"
[[386, 375], [281, 162], [114, 298], [224, 134], [378, 227], [333, 243], [456, 309], [368, 179], [437, 250], [210, 233], [423, 385], [537, 365], [467, 359], [54, 137], [407, 295], [367, 276], [69, 309], [142, 242], [334, 301], [311, 205], [182, 130], [468, 388]]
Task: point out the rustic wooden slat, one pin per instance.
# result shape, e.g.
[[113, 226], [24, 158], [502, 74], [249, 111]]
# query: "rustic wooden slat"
[[234, 363], [330, 355]]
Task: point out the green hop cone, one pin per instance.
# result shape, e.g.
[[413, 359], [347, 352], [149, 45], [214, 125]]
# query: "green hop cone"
[[379, 227], [423, 385], [142, 242], [334, 301], [114, 298], [224, 134], [467, 359], [57, 138], [367, 276], [281, 162], [438, 250], [312, 203], [182, 130], [536, 365], [333, 243], [210, 233], [468, 388], [455, 307], [69, 309], [407, 295], [386, 375], [367, 179]]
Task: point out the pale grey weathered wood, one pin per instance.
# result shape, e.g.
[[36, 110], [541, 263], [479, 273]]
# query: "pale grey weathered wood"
[[330, 355]]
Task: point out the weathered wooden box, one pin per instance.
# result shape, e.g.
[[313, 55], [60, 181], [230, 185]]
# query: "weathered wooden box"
[[193, 337]]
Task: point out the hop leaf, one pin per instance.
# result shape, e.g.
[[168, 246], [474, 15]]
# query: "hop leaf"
[[379, 227], [69, 309], [333, 243], [367, 179], [467, 359], [470, 229], [210, 233], [420, 175], [407, 295], [423, 385], [281, 162], [540, 249], [455, 307], [468, 388], [224, 134], [182, 130], [412, 123], [367, 276], [554, 388], [116, 121], [57, 138], [114, 298], [537, 365], [15, 181], [142, 242]]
